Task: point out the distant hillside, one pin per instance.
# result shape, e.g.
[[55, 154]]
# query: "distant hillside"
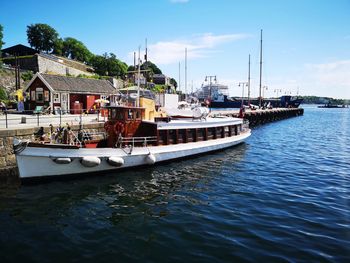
[[324, 100]]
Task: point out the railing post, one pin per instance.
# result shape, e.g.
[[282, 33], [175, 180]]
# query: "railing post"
[[38, 118], [60, 111], [98, 115], [6, 119], [80, 121]]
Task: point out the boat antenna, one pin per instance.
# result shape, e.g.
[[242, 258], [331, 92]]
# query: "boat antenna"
[[186, 74], [260, 68], [138, 81], [249, 81]]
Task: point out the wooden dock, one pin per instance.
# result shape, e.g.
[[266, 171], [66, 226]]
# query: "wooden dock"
[[258, 117]]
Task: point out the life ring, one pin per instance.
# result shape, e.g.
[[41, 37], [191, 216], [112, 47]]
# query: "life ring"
[[118, 128], [107, 126]]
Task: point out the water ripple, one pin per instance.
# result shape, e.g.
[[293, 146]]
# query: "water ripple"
[[283, 196]]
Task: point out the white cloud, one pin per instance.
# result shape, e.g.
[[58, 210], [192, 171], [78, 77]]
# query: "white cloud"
[[198, 46], [332, 79]]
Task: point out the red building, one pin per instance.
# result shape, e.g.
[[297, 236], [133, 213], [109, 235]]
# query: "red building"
[[68, 94]]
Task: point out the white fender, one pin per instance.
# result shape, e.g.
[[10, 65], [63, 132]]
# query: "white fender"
[[116, 161], [62, 160], [90, 161], [150, 159]]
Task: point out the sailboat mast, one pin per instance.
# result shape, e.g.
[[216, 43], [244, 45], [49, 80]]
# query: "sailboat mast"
[[138, 81], [260, 98], [185, 73], [249, 81], [179, 76]]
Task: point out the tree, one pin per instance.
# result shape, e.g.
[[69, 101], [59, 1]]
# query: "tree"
[[173, 82], [58, 47], [109, 65], [153, 67], [75, 49], [42, 37], [3, 94], [1, 36]]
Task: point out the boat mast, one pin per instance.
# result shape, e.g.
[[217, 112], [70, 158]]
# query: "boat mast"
[[249, 81], [179, 77], [138, 82], [260, 68], [186, 74]]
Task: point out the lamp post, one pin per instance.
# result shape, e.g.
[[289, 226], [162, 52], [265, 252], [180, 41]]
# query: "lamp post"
[[277, 91], [263, 88], [243, 84]]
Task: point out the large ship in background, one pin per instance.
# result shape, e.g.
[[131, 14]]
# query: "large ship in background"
[[216, 95]]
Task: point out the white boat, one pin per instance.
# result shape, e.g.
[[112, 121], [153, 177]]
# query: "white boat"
[[133, 138]]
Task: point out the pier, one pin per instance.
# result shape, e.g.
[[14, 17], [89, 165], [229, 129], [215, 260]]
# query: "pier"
[[258, 117]]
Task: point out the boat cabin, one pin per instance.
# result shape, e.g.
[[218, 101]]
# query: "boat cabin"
[[127, 126]]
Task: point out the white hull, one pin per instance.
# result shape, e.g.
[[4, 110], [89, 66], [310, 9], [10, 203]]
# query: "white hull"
[[40, 161]]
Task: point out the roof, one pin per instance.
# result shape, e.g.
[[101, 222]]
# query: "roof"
[[76, 85], [19, 50]]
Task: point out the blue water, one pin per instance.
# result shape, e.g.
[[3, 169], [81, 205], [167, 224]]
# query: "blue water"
[[283, 196]]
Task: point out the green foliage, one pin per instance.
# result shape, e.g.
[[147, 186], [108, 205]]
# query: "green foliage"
[[58, 47], [153, 67], [42, 37], [1, 42], [109, 65], [75, 49], [3, 94], [173, 82], [323, 100], [26, 76], [158, 88], [89, 77]]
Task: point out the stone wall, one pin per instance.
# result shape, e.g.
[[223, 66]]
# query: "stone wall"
[[50, 66], [8, 165], [8, 81]]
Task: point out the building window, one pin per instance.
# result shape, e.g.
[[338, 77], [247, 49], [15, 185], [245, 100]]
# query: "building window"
[[32, 95], [47, 94], [56, 98], [39, 95]]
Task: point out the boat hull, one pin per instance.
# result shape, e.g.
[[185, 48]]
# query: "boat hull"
[[36, 162]]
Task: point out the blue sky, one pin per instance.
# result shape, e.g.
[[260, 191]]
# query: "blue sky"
[[306, 43]]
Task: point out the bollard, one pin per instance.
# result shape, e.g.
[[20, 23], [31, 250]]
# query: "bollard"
[[23, 120]]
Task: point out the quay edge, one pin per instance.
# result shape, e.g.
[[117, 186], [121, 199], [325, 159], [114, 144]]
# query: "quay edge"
[[259, 117]]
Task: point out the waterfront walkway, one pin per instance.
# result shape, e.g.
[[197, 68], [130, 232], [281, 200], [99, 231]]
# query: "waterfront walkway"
[[19, 121]]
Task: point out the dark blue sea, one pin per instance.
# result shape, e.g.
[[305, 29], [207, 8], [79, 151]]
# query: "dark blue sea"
[[283, 196]]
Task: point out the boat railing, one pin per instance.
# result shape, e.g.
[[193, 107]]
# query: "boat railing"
[[133, 141], [245, 125]]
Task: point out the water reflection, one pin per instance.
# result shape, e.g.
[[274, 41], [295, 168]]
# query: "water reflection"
[[144, 191]]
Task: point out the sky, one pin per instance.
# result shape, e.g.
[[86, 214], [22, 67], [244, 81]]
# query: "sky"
[[306, 43]]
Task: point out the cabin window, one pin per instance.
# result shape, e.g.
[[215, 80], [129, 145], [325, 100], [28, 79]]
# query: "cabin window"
[[138, 115], [113, 114], [201, 134], [56, 98], [119, 115], [130, 114], [171, 136], [39, 95]]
